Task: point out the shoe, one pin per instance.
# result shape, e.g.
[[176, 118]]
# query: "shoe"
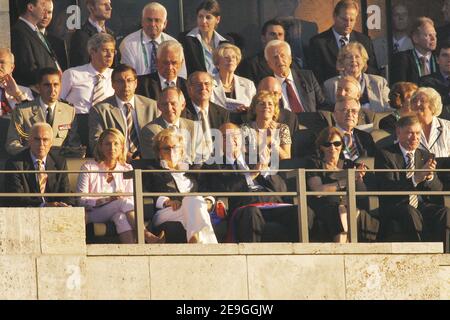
[[195, 238], [151, 238]]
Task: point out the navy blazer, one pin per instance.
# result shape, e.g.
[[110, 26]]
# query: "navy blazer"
[[216, 115], [149, 86]]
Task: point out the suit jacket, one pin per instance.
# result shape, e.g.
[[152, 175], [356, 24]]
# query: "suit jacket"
[[392, 158], [28, 113], [150, 130], [324, 51], [309, 90], [27, 182], [244, 90], [388, 123], [439, 143], [443, 33], [107, 114], [380, 46], [377, 92], [290, 119], [149, 86], [365, 143], [437, 81], [235, 182], [216, 115], [30, 54], [78, 54], [59, 47], [405, 68]]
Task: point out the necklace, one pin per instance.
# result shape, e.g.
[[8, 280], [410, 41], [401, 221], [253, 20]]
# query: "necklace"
[[228, 87]]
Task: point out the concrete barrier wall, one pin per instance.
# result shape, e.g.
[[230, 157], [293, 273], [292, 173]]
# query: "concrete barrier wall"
[[43, 256], [5, 35]]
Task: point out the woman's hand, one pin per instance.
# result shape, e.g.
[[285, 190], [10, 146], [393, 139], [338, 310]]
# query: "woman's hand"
[[241, 108], [175, 204], [360, 174]]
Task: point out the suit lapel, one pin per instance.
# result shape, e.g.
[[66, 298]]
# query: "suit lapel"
[[212, 116], [140, 111], [117, 113], [30, 178], [51, 177], [331, 43], [36, 38], [37, 113], [301, 89]]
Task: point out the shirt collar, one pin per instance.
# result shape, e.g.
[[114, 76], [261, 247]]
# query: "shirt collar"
[[32, 26], [404, 151], [195, 33], [427, 56], [281, 79], [96, 25], [46, 106], [176, 124], [197, 109], [121, 103], [94, 72], [338, 36], [146, 39], [342, 130], [163, 80], [34, 159]]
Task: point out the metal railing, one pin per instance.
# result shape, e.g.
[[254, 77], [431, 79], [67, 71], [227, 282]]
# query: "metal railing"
[[301, 194]]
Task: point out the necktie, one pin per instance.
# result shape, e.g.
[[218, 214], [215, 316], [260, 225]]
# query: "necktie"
[[44, 41], [5, 107], [352, 149], [41, 177], [50, 115], [424, 70], [153, 56], [169, 83], [342, 41], [294, 102], [413, 199], [98, 94], [131, 130], [396, 47], [206, 131]]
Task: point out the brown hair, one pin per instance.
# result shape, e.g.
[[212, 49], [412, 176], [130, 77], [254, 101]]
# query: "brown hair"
[[345, 4], [98, 154], [212, 6], [407, 121], [326, 134], [260, 95], [397, 95]]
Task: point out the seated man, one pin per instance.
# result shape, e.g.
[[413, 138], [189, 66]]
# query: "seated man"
[[45, 108], [250, 214], [37, 157], [419, 217]]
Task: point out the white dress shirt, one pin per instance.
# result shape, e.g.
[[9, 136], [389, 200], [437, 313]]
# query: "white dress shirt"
[[439, 141], [339, 36], [32, 26], [78, 85], [45, 107], [131, 50], [284, 90], [124, 111], [183, 183], [97, 26]]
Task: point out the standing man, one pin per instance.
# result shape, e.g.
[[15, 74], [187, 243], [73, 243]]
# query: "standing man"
[[443, 32], [45, 108], [99, 12], [412, 64], [30, 47], [124, 111], [325, 46], [421, 220], [139, 49], [170, 59], [301, 92], [37, 156]]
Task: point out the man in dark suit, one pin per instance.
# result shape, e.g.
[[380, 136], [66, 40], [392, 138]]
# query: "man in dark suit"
[[412, 64], [170, 59], [30, 47], [37, 157], [301, 92], [58, 45], [125, 111], [208, 115], [440, 80], [248, 221], [420, 219], [99, 12], [443, 32], [325, 46]]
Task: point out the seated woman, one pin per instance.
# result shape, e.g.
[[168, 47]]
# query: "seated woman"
[[352, 61], [435, 136], [400, 101], [110, 155], [191, 211], [230, 91], [201, 41], [331, 210], [265, 136]]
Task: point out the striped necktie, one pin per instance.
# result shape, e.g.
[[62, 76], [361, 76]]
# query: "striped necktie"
[[343, 41], [206, 132], [41, 177], [153, 57], [98, 93], [424, 66], [413, 199], [133, 140], [351, 147]]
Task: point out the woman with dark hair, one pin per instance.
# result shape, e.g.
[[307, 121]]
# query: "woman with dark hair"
[[331, 210], [200, 42], [400, 100]]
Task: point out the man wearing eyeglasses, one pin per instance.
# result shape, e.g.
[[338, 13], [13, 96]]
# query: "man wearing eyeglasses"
[[124, 111]]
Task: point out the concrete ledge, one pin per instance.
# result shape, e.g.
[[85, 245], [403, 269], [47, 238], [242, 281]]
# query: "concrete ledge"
[[18, 278]]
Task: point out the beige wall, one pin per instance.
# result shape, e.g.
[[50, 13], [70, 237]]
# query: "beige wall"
[[4, 24]]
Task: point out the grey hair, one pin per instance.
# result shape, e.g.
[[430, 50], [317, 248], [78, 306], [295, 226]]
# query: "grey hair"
[[8, 51], [155, 6], [276, 43], [434, 99], [173, 45], [96, 41], [39, 125]]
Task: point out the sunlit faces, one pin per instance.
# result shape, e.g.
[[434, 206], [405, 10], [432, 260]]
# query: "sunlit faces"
[[206, 21], [332, 148], [421, 106], [102, 10], [272, 85], [425, 38], [347, 89], [169, 64], [409, 136], [345, 20], [124, 85], [47, 15], [353, 63], [36, 12], [40, 142], [346, 114], [111, 147], [171, 151], [265, 109], [273, 32], [153, 22], [279, 60], [200, 89], [104, 55], [6, 65], [228, 61], [49, 88], [170, 106], [444, 60]]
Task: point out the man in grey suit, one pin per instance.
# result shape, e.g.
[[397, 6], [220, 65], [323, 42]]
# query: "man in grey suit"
[[171, 103], [124, 111]]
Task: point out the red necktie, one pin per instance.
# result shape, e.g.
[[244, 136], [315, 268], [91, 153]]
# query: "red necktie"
[[6, 108], [294, 103]]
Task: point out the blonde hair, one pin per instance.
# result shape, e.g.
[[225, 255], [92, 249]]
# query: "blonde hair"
[[434, 98], [219, 52], [259, 96], [350, 48], [98, 154], [161, 139]]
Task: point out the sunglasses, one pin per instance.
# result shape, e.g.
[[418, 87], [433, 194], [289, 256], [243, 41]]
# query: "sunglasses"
[[334, 143]]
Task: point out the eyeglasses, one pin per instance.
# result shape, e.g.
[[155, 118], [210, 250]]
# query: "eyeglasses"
[[169, 148], [334, 143]]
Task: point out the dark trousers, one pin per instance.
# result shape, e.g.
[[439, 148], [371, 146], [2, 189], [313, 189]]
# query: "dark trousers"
[[272, 225]]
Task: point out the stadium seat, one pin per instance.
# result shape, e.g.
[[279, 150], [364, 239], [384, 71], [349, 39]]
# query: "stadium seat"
[[377, 117]]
